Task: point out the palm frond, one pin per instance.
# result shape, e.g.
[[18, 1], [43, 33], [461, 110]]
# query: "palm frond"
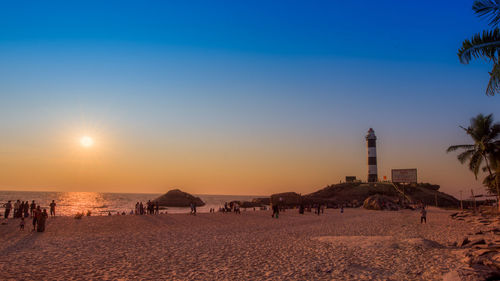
[[461, 146], [475, 163], [494, 82], [483, 45], [464, 156], [489, 9], [495, 133]]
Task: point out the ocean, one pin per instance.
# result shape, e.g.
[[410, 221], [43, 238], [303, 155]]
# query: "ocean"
[[100, 203]]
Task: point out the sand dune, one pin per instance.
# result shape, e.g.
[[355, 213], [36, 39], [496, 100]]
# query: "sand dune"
[[359, 244]]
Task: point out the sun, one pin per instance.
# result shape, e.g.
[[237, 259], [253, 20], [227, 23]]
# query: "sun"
[[86, 141]]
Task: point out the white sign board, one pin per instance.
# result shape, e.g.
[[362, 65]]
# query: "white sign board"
[[404, 175]]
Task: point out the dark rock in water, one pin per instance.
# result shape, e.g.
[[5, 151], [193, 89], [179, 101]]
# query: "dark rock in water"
[[177, 198], [380, 202]]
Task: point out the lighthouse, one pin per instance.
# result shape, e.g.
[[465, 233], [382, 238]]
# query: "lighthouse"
[[371, 140]]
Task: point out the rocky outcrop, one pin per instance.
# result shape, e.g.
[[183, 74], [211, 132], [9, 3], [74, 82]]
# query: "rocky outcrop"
[[248, 204], [380, 202], [178, 198], [286, 199], [262, 201], [348, 194]]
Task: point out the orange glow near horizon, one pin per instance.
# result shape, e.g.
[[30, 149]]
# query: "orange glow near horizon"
[[138, 161], [239, 167]]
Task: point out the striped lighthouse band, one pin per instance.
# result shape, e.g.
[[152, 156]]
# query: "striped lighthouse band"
[[372, 156]]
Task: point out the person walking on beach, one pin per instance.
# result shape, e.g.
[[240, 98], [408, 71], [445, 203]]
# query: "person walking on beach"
[[423, 215], [301, 209], [20, 210], [319, 209], [32, 207], [193, 208], [16, 208], [8, 207], [53, 209], [276, 211], [26, 209], [35, 216], [149, 210], [21, 224]]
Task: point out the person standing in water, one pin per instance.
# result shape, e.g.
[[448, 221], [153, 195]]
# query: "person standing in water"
[[53, 209]]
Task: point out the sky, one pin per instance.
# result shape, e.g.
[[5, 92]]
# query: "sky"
[[234, 97]]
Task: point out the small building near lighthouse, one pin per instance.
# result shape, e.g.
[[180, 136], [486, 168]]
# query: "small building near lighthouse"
[[371, 141]]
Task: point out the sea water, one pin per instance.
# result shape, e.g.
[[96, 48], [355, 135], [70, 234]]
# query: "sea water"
[[99, 203]]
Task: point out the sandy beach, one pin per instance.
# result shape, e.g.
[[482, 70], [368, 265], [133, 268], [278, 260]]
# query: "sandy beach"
[[355, 245]]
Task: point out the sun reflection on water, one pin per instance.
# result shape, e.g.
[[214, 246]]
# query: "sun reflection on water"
[[74, 202], [70, 203]]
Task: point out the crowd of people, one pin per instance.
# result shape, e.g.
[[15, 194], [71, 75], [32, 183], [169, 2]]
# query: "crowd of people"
[[23, 209], [230, 207], [151, 208]]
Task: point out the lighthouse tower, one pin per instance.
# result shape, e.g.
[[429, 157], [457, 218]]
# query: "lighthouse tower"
[[371, 140]]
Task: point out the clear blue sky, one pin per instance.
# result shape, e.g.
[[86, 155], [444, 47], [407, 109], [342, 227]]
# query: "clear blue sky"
[[285, 85]]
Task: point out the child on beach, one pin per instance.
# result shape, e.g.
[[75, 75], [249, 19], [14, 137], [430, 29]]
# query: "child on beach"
[[21, 224]]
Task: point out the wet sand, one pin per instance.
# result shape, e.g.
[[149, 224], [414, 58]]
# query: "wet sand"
[[355, 245]]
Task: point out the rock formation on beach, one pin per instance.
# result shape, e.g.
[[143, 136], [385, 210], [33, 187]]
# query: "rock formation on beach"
[[380, 202], [248, 204], [178, 198], [262, 200], [356, 193], [286, 199]]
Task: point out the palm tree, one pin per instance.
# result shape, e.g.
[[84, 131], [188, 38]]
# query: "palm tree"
[[485, 149], [486, 44]]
